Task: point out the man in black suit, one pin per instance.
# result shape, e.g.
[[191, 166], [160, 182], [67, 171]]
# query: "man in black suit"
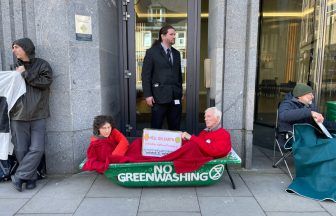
[[162, 80]]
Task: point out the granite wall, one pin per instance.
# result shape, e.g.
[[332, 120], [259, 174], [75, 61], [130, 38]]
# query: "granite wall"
[[86, 81], [86, 76], [233, 37]]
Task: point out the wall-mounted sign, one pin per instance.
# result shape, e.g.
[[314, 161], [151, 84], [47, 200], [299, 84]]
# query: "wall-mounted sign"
[[158, 143], [83, 28], [147, 39]]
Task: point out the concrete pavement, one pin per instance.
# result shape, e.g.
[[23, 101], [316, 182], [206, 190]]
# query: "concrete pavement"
[[260, 191]]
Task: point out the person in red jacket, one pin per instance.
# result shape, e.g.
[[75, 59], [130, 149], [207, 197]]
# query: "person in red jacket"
[[107, 141], [214, 141]]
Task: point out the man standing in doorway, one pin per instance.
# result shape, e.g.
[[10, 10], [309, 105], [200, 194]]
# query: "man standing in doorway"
[[162, 80], [28, 116]]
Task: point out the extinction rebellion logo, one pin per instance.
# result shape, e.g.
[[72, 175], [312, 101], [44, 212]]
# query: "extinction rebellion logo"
[[164, 173], [216, 172]]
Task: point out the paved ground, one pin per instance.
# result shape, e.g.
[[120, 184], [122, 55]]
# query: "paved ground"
[[260, 191]]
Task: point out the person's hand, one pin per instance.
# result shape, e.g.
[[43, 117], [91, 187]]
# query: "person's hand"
[[185, 136], [317, 116], [150, 101], [20, 69]]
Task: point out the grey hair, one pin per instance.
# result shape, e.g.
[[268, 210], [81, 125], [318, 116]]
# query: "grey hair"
[[215, 111]]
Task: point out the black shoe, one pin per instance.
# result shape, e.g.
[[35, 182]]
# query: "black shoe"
[[30, 184], [17, 183]]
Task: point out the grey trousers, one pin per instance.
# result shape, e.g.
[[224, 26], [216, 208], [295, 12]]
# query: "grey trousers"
[[28, 138]]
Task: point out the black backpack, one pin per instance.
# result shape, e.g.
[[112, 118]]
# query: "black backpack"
[[8, 168]]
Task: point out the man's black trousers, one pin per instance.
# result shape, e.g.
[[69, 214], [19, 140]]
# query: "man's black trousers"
[[171, 111]]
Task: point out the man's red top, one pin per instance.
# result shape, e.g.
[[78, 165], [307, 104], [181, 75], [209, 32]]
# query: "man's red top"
[[213, 143]]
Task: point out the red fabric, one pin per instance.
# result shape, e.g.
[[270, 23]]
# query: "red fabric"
[[214, 144], [122, 145], [190, 157], [100, 150]]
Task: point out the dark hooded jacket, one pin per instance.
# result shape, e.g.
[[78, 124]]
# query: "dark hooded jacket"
[[292, 111], [34, 104]]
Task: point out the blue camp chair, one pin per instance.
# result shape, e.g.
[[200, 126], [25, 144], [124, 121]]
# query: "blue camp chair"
[[282, 141]]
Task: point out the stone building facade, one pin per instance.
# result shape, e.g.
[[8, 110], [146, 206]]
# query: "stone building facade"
[[87, 76]]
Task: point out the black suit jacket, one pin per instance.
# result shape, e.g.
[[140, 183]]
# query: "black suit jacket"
[[160, 79]]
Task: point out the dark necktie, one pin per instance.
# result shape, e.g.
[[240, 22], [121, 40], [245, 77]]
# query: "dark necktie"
[[169, 56]]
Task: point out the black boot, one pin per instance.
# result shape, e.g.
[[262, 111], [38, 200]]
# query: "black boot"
[[30, 184], [16, 183]]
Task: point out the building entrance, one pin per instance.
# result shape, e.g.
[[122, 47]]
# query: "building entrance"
[[297, 44], [142, 20]]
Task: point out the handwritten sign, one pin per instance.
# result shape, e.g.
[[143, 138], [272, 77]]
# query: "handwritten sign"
[[158, 143]]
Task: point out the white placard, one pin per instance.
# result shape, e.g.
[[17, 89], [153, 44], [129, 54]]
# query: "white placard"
[[83, 28], [323, 128], [158, 143]]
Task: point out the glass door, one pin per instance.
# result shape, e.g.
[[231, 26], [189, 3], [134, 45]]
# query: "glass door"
[[146, 19], [297, 44], [289, 52], [279, 49], [328, 76]]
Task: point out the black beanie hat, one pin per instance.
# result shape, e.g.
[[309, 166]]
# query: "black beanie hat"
[[301, 89], [27, 45]]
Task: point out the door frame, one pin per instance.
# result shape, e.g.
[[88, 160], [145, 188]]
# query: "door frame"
[[127, 66]]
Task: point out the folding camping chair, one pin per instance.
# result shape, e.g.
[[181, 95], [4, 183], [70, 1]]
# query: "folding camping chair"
[[280, 142]]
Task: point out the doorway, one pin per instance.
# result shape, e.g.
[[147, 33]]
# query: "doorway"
[[297, 44], [142, 20]]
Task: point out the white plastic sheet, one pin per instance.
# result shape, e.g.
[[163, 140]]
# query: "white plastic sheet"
[[12, 86]]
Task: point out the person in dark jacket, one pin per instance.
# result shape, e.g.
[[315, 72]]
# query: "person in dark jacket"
[[162, 80], [28, 116], [299, 107]]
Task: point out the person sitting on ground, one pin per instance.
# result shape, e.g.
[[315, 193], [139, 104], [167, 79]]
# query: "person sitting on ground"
[[106, 141], [214, 141], [299, 107]]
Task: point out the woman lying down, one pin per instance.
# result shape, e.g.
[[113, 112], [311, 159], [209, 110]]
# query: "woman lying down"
[[108, 145]]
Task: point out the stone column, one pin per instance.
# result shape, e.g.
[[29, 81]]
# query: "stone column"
[[250, 77], [86, 77], [6, 32], [216, 49], [233, 27], [75, 93]]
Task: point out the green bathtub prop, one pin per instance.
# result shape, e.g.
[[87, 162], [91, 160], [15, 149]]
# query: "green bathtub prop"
[[151, 174]]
